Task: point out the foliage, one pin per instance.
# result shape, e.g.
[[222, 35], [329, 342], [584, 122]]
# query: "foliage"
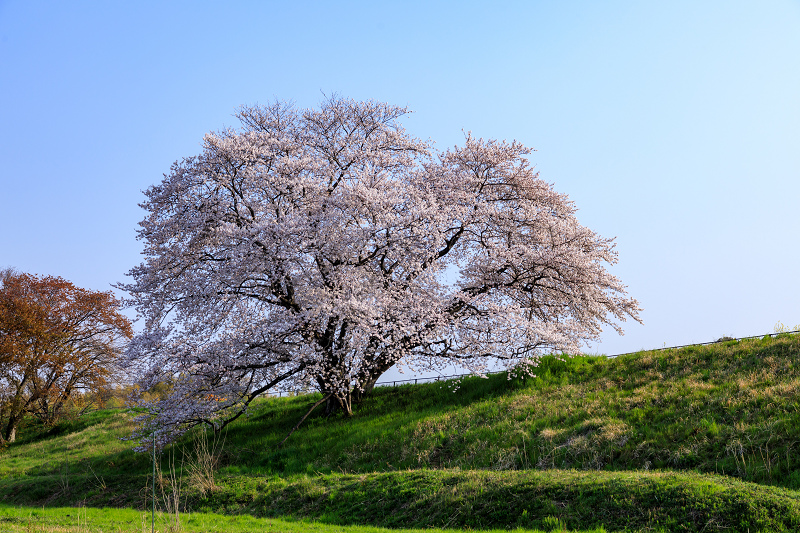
[[203, 461], [780, 327], [58, 342], [312, 248]]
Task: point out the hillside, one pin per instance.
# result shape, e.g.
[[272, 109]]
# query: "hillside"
[[701, 438]]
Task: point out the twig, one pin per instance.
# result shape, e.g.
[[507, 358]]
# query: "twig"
[[302, 419]]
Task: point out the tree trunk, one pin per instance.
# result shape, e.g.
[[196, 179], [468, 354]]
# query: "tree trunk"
[[368, 380], [335, 403], [11, 428]]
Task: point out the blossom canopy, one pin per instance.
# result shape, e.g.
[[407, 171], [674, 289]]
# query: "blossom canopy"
[[321, 247]]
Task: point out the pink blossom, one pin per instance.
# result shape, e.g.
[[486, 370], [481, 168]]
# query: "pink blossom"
[[319, 248]]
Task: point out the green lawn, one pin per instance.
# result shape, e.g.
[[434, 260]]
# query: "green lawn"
[[90, 520]]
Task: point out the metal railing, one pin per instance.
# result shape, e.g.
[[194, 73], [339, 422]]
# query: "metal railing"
[[723, 339], [415, 381]]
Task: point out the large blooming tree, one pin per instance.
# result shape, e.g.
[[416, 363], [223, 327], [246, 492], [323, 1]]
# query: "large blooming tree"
[[321, 247]]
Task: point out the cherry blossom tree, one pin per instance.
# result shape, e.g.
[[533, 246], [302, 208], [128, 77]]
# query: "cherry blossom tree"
[[321, 247]]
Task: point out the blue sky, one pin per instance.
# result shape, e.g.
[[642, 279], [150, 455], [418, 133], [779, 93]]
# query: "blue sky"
[[674, 126]]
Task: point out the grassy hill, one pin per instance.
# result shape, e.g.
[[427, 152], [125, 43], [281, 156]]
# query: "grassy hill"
[[703, 438]]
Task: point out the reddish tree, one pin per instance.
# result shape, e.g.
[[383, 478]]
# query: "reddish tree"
[[56, 340]]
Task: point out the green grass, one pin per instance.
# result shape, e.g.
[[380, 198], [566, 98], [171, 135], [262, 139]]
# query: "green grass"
[[482, 499], [638, 442], [89, 520]]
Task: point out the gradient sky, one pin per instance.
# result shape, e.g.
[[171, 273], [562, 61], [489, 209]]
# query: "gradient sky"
[[674, 126]]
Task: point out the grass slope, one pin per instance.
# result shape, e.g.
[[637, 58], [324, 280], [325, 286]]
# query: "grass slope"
[[698, 439]]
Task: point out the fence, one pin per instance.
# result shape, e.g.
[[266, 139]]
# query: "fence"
[[394, 383]]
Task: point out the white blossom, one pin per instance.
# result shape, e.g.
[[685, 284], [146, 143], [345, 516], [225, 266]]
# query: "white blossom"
[[319, 248]]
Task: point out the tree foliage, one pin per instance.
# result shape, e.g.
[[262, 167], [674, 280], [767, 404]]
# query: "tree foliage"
[[56, 341], [321, 247]]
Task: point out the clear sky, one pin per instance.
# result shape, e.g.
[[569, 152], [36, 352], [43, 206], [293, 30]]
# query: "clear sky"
[[674, 126]]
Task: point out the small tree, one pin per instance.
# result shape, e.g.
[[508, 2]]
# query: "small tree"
[[56, 341], [319, 248]]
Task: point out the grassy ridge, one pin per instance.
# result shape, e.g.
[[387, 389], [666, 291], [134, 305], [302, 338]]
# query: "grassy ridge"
[[642, 441], [617, 501]]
